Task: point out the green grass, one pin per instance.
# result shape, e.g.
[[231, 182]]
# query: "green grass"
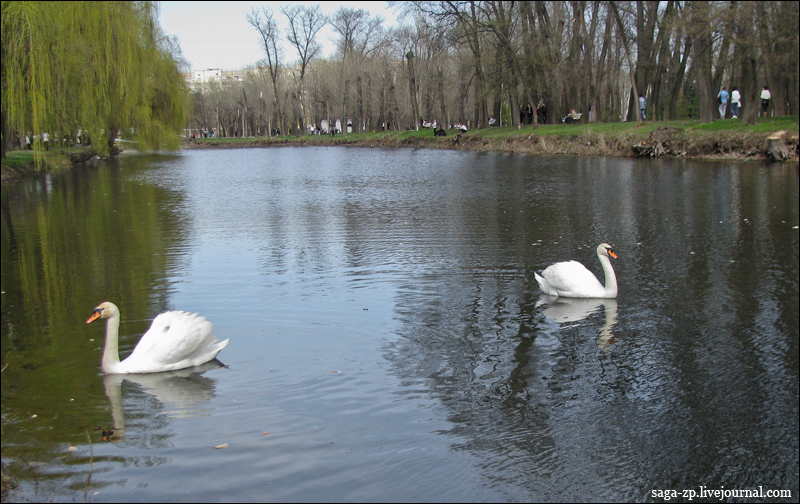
[[628, 130], [18, 158], [25, 160]]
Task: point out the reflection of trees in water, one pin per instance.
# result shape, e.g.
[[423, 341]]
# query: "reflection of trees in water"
[[511, 378], [143, 408], [66, 239]]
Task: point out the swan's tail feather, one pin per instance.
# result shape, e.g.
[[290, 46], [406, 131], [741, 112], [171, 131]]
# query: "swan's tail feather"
[[218, 346]]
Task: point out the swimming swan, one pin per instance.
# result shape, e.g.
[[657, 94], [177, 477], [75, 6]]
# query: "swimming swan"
[[572, 279], [175, 340]]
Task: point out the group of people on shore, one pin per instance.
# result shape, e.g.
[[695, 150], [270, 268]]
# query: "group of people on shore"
[[28, 141], [206, 133], [722, 100], [736, 101], [526, 114]]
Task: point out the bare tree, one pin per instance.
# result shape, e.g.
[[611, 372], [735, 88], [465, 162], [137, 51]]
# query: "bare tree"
[[702, 56], [360, 36], [776, 24], [467, 21], [618, 19], [264, 22], [745, 52], [305, 22], [468, 54]]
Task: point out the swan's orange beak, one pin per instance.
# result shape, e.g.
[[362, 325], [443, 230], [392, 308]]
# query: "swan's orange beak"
[[96, 315], [612, 254]]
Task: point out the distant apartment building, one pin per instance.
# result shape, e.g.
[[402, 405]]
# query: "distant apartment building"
[[198, 80]]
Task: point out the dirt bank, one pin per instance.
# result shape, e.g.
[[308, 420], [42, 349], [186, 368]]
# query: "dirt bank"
[[663, 142], [11, 174]]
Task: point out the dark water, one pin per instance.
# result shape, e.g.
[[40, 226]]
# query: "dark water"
[[388, 339]]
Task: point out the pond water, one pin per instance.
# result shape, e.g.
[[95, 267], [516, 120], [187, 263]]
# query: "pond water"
[[388, 338]]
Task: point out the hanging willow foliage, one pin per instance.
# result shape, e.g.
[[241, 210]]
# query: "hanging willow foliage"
[[99, 67]]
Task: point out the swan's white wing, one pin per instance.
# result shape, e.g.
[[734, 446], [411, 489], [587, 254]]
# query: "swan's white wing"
[[571, 278], [174, 337]]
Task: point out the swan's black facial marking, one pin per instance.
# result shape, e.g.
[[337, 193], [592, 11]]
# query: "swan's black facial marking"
[[96, 314]]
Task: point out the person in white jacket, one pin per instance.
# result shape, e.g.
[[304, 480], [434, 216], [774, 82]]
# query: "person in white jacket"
[[643, 106], [736, 98], [765, 98]]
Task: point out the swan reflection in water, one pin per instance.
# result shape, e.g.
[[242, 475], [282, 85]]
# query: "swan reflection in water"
[[177, 394], [565, 310]]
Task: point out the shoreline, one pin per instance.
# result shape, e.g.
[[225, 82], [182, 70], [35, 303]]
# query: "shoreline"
[[660, 142], [737, 143]]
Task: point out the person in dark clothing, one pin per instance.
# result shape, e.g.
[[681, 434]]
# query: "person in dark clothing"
[[541, 113]]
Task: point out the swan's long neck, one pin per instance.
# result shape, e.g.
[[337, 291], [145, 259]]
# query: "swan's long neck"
[[611, 278], [111, 352]]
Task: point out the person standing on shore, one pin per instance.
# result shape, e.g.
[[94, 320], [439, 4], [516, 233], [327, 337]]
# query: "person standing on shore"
[[722, 99], [541, 113], [642, 106], [736, 98], [765, 98]]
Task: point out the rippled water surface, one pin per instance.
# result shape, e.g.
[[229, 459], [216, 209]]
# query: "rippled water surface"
[[388, 338]]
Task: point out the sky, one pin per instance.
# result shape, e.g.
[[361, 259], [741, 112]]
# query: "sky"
[[217, 34]]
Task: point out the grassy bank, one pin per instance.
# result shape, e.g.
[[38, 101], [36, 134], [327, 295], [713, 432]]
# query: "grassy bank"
[[727, 139], [719, 139], [20, 163]]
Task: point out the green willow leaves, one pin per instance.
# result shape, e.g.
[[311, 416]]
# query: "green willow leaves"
[[100, 67]]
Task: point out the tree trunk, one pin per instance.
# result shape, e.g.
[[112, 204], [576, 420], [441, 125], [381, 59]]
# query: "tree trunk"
[[412, 89], [635, 96], [701, 50]]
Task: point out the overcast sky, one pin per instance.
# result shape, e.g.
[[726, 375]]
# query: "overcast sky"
[[217, 34]]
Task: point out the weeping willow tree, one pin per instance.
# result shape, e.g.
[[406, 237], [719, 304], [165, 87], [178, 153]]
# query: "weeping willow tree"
[[100, 67]]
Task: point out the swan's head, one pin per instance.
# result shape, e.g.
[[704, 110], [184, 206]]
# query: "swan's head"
[[605, 249], [103, 310]]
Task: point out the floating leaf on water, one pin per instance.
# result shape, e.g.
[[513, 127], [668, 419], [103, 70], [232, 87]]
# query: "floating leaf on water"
[[335, 371], [72, 448], [266, 433], [221, 446]]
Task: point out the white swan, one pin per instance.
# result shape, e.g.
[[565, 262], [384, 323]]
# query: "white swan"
[[175, 340], [572, 279]]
